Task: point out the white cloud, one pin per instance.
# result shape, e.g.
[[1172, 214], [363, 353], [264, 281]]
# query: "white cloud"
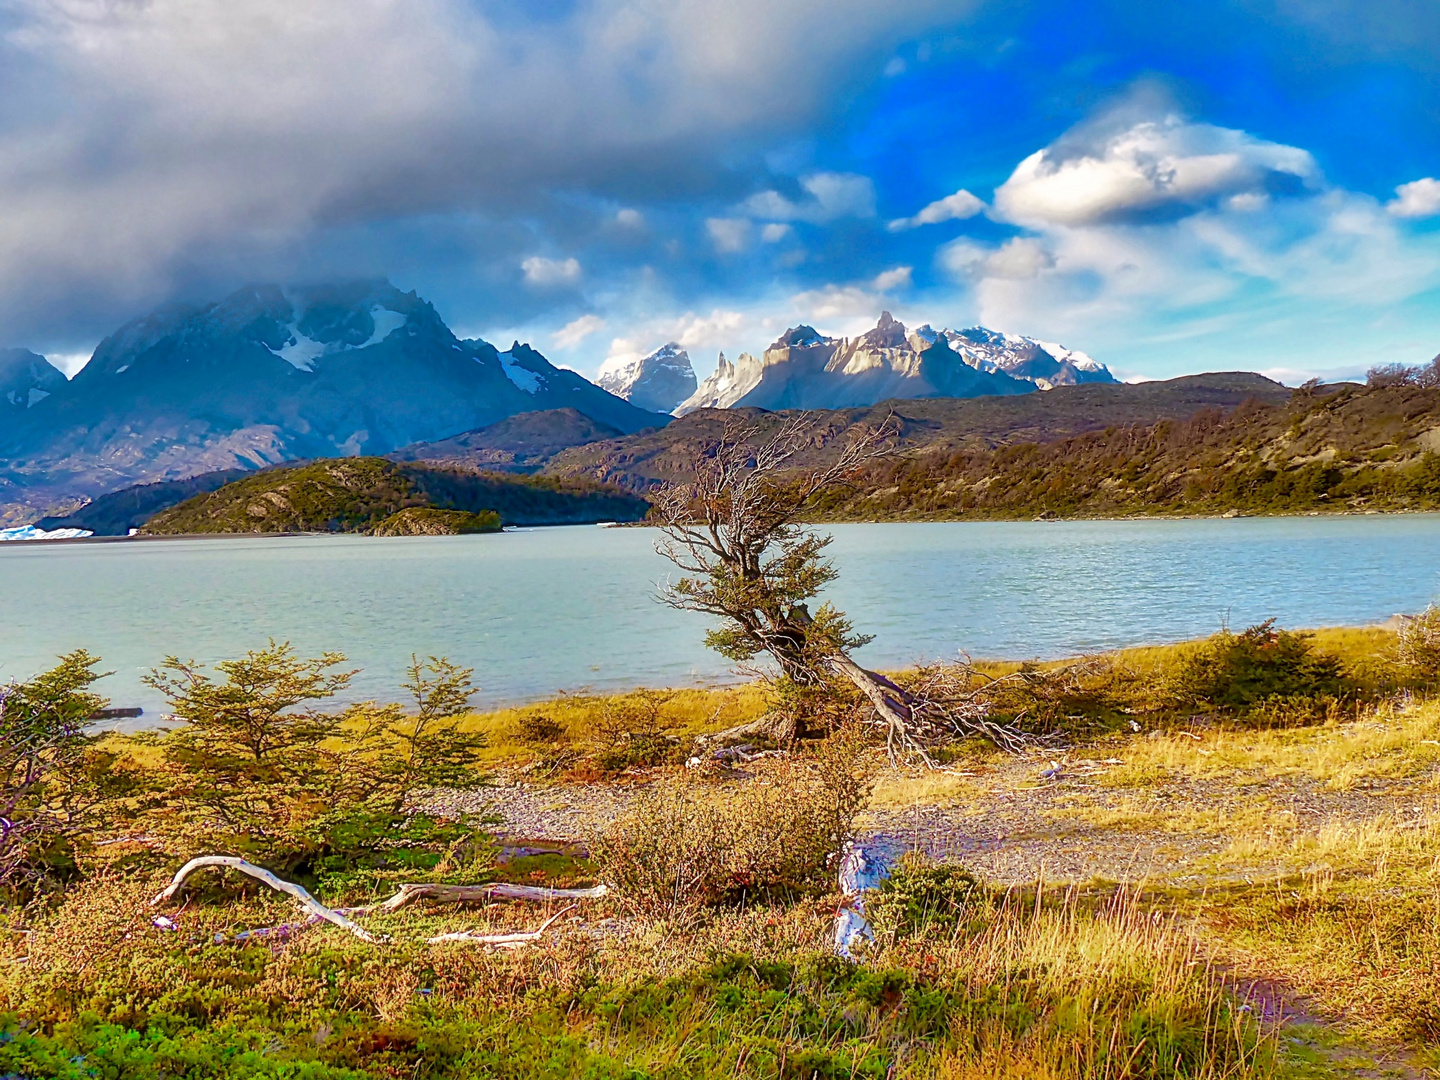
[[549, 272], [630, 218], [572, 333], [955, 207], [1166, 247], [828, 196], [843, 309], [1417, 199], [1018, 258], [729, 235], [1150, 170], [775, 232], [897, 278]]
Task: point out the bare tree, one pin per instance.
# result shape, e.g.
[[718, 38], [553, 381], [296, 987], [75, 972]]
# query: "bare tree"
[[736, 533]]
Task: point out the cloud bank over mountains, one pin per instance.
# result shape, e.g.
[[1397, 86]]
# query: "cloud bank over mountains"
[[604, 176]]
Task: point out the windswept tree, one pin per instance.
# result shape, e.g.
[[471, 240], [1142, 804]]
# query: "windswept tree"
[[267, 766], [425, 747], [253, 762], [736, 531]]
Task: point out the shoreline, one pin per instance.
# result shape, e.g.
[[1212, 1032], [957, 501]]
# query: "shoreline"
[[1038, 520]]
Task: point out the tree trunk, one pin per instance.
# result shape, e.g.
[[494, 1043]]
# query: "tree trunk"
[[888, 699]]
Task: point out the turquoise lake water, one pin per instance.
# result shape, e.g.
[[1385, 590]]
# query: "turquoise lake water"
[[536, 611]]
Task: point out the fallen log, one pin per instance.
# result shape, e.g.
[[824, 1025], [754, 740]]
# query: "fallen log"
[[259, 873], [463, 894], [504, 941]]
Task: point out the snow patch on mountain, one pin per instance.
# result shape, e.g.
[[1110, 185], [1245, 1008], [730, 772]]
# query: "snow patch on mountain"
[[524, 378], [302, 351], [386, 323]]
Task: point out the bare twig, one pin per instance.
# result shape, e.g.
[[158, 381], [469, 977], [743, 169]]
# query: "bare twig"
[[508, 941], [463, 894]]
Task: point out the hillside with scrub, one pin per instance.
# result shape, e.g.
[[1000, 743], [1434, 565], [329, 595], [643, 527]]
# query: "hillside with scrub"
[[1355, 449], [373, 495]]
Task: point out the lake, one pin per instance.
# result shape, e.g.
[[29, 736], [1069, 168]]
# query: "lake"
[[541, 610]]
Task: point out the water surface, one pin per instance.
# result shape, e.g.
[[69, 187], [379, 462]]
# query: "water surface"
[[536, 611]]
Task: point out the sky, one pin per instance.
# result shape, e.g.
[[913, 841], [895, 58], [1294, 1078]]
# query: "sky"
[[1171, 187]]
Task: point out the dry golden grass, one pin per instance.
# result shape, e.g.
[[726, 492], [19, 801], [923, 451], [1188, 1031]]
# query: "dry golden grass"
[[691, 711], [1391, 743]]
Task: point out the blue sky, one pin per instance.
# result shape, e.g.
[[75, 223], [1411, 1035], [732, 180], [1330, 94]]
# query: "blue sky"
[[1171, 187]]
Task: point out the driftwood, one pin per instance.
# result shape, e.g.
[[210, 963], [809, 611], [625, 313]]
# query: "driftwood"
[[259, 873], [407, 895], [463, 894], [504, 941]]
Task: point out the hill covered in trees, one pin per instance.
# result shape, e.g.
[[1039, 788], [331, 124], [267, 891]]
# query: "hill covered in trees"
[[374, 495], [1357, 449], [921, 427]]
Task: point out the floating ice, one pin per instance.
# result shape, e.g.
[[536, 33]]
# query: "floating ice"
[[30, 532]]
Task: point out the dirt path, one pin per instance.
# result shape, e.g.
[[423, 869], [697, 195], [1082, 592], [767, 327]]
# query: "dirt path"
[[1011, 823]]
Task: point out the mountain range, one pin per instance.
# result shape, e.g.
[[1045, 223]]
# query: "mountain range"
[[268, 374], [805, 369], [271, 374]]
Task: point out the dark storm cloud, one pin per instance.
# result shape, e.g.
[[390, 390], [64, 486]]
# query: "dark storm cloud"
[[149, 147]]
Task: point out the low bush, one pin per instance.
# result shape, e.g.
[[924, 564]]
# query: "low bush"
[[776, 837], [1261, 673], [924, 898], [1417, 648], [633, 732]]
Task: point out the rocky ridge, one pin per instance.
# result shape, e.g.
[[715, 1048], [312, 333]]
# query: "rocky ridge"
[[805, 369]]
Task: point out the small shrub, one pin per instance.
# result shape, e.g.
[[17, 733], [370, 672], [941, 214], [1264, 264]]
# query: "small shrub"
[[538, 729], [632, 732], [922, 897], [1418, 647], [692, 846], [1258, 669]]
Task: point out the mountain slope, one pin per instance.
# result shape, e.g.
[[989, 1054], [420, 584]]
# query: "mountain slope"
[[26, 379], [117, 512], [640, 461], [520, 443], [804, 369], [270, 374], [357, 494]]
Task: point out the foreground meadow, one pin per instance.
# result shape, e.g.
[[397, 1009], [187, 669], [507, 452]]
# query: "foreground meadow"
[[1153, 886]]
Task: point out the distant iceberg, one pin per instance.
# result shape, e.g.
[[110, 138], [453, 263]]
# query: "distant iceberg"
[[30, 532]]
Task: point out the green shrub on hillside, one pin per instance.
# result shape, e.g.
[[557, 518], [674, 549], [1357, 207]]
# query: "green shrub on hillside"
[[259, 770], [1244, 674], [428, 521]]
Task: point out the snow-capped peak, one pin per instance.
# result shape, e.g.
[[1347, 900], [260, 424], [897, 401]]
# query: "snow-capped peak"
[[658, 382]]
